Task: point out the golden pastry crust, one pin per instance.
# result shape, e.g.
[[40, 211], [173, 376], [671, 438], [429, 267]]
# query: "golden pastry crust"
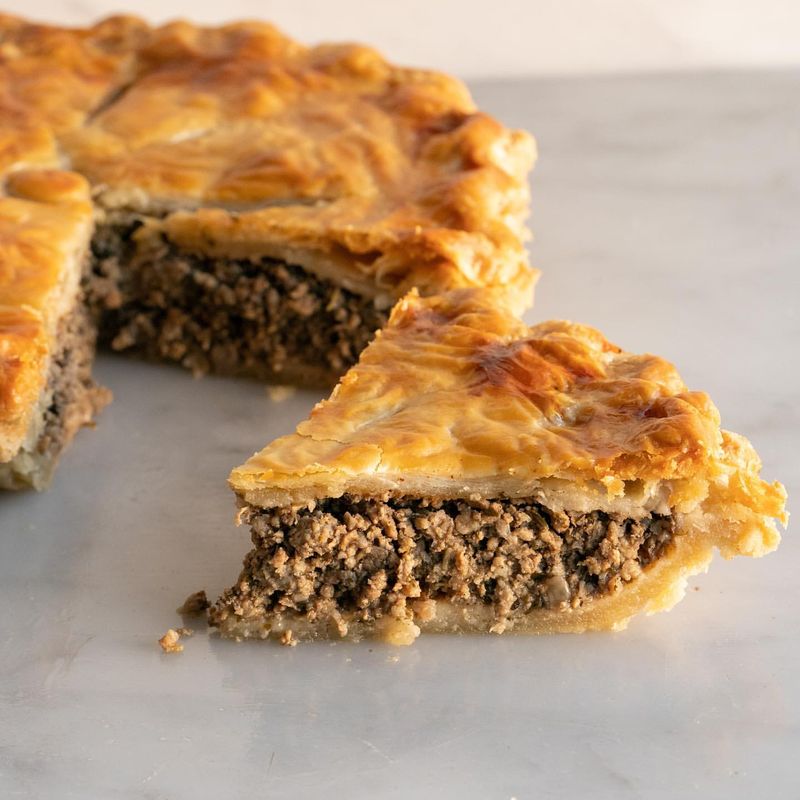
[[380, 177], [52, 78], [456, 396], [376, 177], [45, 223]]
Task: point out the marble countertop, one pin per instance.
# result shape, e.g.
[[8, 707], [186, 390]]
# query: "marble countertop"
[[666, 213]]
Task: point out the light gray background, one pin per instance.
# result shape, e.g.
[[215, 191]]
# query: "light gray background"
[[666, 213], [503, 38]]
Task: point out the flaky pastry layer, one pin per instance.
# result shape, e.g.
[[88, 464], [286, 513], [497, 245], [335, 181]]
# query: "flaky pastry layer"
[[52, 79], [732, 518], [238, 142], [457, 398]]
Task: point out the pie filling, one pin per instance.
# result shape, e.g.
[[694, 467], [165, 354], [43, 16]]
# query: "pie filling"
[[71, 400], [261, 318], [365, 557]]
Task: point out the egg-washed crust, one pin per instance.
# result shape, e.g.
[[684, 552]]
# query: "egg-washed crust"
[[45, 224], [327, 157], [457, 397], [52, 79]]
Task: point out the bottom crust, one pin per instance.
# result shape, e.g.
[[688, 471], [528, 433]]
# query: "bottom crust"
[[69, 401], [657, 587]]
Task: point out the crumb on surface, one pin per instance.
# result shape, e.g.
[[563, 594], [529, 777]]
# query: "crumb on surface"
[[170, 642], [287, 639], [278, 393], [185, 632], [195, 603]]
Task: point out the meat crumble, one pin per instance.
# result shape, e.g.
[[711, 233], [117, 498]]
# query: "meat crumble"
[[72, 400]]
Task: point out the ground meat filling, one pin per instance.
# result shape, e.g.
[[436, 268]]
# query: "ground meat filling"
[[258, 318], [370, 557], [75, 398]]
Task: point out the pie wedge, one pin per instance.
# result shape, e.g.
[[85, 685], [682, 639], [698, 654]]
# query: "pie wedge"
[[473, 474]]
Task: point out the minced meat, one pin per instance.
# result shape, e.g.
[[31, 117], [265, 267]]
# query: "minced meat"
[[74, 397], [259, 318], [369, 556]]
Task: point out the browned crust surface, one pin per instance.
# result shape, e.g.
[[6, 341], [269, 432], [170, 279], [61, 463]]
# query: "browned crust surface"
[[45, 224], [372, 176], [385, 176]]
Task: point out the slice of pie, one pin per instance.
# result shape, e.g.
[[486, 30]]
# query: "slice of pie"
[[475, 474], [46, 335]]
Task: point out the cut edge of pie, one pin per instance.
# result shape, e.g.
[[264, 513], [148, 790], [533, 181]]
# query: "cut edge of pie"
[[474, 474], [47, 337]]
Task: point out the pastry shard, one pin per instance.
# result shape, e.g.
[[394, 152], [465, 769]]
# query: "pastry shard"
[[475, 474], [46, 336]]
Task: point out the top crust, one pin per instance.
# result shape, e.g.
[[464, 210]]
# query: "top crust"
[[381, 177], [456, 397], [375, 177], [51, 79]]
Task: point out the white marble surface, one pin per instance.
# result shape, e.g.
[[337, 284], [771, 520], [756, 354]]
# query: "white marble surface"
[[666, 213]]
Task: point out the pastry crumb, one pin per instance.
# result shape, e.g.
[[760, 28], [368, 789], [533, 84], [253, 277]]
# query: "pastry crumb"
[[195, 603], [170, 641], [278, 393], [287, 639], [185, 632]]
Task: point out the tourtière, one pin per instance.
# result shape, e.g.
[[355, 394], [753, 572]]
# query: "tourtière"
[[232, 201]]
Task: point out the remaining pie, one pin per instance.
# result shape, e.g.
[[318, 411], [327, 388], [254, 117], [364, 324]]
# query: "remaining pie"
[[474, 474], [258, 206]]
